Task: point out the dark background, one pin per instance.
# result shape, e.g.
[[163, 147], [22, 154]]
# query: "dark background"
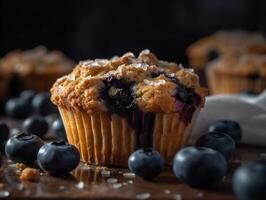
[[103, 28]]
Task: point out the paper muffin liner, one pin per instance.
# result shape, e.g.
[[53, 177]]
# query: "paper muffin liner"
[[108, 140], [226, 84]]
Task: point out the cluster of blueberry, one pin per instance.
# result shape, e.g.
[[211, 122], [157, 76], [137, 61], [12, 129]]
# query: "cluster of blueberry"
[[205, 164], [27, 147], [35, 107], [29, 102], [53, 157]]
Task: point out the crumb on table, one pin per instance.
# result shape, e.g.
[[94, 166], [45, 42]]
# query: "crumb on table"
[[30, 174], [20, 166]]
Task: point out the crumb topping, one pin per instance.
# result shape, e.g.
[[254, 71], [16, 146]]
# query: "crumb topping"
[[37, 61], [30, 174], [20, 166], [145, 81], [156, 94]]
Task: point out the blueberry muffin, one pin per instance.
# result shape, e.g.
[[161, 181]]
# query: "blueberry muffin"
[[224, 43], [112, 107], [35, 69], [246, 73]]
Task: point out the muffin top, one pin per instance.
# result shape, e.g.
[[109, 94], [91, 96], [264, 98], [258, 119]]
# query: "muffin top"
[[248, 65], [225, 43], [37, 61], [122, 84]]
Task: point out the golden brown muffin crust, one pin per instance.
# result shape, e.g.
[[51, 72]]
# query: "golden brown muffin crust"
[[153, 85]]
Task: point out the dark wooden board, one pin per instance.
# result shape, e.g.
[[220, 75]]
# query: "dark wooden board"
[[96, 185]]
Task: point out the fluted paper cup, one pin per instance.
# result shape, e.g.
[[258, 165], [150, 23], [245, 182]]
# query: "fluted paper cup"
[[108, 140]]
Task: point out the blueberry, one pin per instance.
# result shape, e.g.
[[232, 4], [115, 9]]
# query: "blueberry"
[[118, 96], [217, 141], [43, 105], [199, 167], [249, 182], [182, 94], [18, 108], [58, 158], [28, 95], [146, 163], [23, 148], [59, 129], [230, 128], [35, 125], [4, 132], [213, 54], [187, 95]]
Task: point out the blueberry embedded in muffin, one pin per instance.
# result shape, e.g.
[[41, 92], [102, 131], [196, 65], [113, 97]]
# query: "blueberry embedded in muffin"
[[118, 96], [112, 107]]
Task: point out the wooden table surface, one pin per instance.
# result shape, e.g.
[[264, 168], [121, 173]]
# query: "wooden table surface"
[[88, 182]]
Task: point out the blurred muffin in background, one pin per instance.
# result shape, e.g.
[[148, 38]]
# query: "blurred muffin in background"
[[36, 69], [245, 73], [223, 43]]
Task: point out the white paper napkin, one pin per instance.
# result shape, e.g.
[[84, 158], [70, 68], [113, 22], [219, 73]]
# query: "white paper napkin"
[[249, 111]]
